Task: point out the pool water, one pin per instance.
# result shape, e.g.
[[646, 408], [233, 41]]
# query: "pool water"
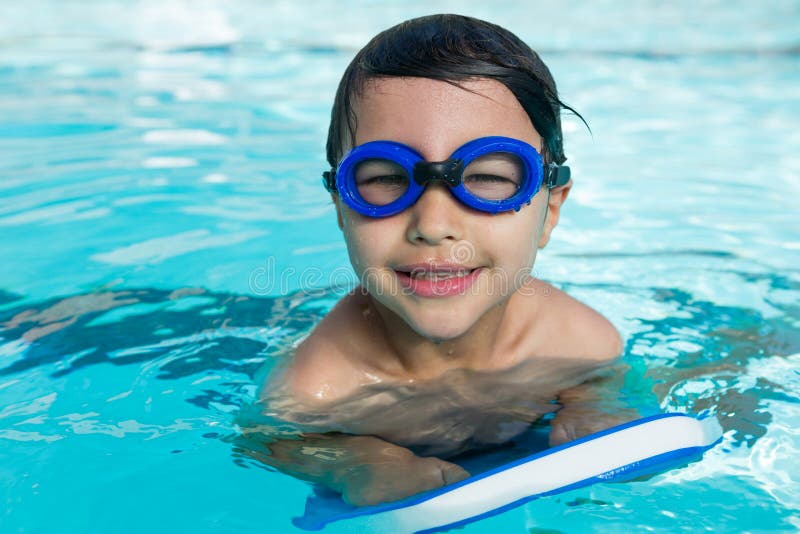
[[164, 234]]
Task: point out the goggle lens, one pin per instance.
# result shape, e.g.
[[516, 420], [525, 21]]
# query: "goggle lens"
[[380, 181], [494, 176]]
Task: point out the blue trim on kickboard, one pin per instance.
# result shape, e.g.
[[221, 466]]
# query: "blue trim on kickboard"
[[604, 477]]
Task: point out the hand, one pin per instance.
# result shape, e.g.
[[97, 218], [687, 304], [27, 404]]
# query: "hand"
[[393, 474], [364, 469], [571, 424]]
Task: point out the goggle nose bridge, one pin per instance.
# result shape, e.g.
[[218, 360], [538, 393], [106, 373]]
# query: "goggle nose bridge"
[[447, 171]]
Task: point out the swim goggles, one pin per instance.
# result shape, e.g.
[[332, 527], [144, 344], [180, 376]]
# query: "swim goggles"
[[490, 174]]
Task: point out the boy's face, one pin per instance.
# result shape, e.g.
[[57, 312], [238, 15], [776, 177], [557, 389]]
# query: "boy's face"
[[472, 261]]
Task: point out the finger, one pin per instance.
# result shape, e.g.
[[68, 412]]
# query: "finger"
[[561, 433], [453, 473]]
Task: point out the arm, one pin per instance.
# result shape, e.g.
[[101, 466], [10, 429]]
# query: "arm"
[[364, 469]]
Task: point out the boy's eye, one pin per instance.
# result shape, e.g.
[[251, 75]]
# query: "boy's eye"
[[495, 176], [383, 180], [380, 181], [486, 179]]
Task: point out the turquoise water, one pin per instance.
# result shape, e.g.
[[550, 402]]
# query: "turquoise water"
[[163, 234]]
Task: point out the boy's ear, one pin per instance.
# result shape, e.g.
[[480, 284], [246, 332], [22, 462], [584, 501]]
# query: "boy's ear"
[[557, 197], [339, 221]]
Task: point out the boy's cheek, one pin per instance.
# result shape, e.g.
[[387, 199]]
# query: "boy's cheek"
[[349, 219]]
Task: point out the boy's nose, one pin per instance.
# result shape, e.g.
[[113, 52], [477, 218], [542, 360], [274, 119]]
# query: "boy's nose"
[[436, 216]]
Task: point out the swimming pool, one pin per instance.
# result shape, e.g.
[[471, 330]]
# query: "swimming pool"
[[164, 233]]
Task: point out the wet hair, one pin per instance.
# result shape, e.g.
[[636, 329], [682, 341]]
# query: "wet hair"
[[451, 48]]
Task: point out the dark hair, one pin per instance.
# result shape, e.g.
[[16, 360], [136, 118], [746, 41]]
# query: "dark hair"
[[451, 48]]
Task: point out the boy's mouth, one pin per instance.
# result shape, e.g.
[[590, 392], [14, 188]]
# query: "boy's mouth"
[[436, 280]]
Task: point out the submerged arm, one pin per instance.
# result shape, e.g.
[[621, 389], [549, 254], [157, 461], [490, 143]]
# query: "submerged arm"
[[364, 469], [588, 408]]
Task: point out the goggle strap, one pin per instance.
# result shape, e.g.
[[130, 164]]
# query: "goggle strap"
[[556, 175], [329, 180]]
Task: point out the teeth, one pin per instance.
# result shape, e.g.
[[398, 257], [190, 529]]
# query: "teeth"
[[426, 275]]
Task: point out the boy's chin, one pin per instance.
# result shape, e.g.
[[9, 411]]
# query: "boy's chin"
[[438, 321], [442, 329]]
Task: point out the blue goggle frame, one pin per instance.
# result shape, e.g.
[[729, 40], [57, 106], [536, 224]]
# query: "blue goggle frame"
[[342, 180]]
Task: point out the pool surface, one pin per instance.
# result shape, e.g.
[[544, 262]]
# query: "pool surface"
[[164, 234]]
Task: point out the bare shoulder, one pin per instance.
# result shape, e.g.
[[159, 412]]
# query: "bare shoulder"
[[325, 366], [568, 327]]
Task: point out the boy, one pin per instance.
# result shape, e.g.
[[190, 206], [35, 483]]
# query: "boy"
[[445, 148]]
